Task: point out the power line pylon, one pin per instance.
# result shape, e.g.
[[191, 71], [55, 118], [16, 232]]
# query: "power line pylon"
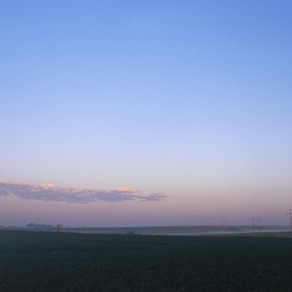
[[224, 223], [259, 223], [290, 213], [256, 222], [253, 219]]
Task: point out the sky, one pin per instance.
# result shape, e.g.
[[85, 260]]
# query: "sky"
[[145, 113]]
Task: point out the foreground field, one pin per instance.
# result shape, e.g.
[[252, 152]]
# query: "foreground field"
[[49, 261]]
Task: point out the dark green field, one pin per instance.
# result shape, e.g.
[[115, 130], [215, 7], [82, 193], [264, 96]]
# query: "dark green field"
[[50, 261]]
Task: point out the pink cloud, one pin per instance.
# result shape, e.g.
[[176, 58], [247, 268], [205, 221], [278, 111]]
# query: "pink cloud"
[[52, 193]]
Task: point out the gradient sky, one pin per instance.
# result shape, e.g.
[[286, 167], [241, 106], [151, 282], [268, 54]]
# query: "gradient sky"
[[184, 105]]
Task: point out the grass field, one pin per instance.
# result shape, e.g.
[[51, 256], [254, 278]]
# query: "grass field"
[[51, 261]]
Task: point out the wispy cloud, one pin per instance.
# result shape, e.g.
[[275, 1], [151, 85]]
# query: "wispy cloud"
[[52, 193]]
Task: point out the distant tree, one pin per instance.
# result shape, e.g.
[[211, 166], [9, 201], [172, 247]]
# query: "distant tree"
[[59, 227]]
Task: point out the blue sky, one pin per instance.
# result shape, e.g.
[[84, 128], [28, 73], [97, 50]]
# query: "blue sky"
[[190, 99]]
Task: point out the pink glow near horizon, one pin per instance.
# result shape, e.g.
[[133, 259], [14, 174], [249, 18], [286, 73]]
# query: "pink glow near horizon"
[[22, 203]]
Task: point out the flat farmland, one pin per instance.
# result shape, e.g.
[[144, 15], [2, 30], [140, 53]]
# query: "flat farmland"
[[51, 261]]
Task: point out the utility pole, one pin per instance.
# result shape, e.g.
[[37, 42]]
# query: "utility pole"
[[290, 213]]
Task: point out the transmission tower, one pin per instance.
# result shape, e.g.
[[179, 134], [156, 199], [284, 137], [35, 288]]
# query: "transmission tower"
[[224, 223], [290, 214], [256, 222], [253, 219], [259, 223]]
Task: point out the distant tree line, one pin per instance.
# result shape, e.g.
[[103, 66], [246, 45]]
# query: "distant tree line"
[[33, 225]]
